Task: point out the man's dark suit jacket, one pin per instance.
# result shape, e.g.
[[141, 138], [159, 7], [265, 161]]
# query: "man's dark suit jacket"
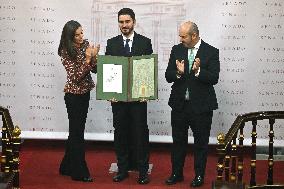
[[141, 46], [201, 91]]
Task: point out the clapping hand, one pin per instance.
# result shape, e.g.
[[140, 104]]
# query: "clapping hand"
[[196, 65], [180, 66], [96, 50], [92, 52]]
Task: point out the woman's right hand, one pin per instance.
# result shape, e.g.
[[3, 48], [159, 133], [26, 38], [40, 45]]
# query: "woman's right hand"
[[89, 54], [92, 52]]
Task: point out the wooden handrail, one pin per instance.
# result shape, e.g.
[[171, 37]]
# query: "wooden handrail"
[[241, 119], [227, 146], [268, 187]]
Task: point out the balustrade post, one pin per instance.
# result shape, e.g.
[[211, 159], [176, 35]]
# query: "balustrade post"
[[16, 160], [241, 159], [253, 154], [234, 160], [270, 157], [221, 154]]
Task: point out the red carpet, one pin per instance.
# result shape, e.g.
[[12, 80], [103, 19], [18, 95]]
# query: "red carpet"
[[40, 161]]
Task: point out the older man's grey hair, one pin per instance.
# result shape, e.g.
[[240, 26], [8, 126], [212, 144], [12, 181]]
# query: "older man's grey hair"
[[193, 28]]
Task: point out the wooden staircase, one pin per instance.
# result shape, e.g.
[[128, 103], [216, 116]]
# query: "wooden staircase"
[[230, 154], [9, 175]]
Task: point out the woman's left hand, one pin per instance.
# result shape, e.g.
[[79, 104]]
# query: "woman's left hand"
[[96, 49]]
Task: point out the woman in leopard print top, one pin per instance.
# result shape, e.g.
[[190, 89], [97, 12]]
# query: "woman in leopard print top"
[[78, 59]]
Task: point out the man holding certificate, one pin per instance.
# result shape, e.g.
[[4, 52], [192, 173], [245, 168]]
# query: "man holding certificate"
[[131, 135]]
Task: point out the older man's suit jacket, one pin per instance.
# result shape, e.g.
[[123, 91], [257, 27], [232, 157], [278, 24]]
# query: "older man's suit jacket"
[[202, 97]]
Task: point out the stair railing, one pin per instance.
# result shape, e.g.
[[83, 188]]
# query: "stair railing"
[[230, 164]]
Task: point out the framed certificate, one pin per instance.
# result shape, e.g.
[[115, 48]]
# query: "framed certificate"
[[127, 78]]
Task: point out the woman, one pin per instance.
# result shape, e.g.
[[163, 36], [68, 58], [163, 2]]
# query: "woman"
[[78, 58]]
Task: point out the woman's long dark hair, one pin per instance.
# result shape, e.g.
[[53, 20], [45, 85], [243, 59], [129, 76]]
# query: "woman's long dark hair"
[[67, 38]]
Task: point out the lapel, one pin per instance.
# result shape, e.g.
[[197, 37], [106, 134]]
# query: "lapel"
[[184, 56], [135, 43], [200, 50], [120, 45]]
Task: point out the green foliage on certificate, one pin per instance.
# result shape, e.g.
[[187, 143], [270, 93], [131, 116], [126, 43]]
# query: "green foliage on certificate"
[[127, 78]]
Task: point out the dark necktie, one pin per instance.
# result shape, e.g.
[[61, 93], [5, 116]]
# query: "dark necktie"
[[127, 48]]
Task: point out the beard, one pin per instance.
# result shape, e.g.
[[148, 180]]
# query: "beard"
[[186, 45], [127, 31]]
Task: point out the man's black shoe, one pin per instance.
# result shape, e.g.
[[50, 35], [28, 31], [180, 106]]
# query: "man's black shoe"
[[120, 177], [143, 179], [173, 179], [197, 181], [83, 179]]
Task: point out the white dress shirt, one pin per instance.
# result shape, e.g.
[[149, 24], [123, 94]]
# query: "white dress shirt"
[[130, 42], [195, 49]]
